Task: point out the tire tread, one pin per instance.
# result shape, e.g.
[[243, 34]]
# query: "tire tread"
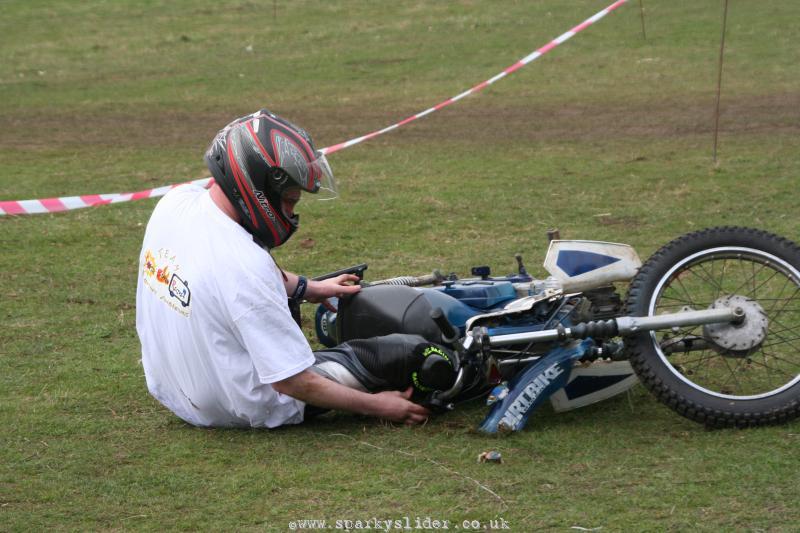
[[642, 356]]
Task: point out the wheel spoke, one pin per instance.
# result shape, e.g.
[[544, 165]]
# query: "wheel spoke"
[[786, 341], [777, 296], [781, 359], [769, 351], [691, 361], [766, 366], [780, 310], [705, 277], [706, 357], [782, 340], [773, 354], [747, 281], [755, 289], [770, 369], [784, 327], [721, 277], [677, 303], [756, 274], [689, 298], [664, 296], [732, 374]]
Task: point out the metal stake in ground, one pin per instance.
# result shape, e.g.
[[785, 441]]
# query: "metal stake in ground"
[[719, 77], [641, 15]]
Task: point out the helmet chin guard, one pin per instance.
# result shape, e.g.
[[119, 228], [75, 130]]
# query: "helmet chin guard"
[[257, 157]]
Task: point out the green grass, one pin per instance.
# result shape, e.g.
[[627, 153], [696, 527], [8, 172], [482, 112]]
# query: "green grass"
[[608, 137]]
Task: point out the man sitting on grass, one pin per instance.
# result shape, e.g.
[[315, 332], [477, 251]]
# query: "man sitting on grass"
[[219, 344]]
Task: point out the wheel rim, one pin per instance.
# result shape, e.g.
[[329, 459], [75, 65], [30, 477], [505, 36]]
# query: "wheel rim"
[[699, 280]]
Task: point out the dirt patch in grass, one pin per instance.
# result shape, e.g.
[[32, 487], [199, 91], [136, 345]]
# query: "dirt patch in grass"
[[755, 115], [118, 129], [607, 219], [469, 121]]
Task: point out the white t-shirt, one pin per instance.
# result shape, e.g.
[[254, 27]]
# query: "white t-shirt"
[[212, 318]]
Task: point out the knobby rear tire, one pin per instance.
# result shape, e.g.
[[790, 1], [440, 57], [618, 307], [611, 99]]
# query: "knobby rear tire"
[[773, 397]]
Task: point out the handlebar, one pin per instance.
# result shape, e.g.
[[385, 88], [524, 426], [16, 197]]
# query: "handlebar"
[[358, 270]]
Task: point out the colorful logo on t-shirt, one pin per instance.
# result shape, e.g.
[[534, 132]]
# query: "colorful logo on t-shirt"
[[159, 273], [180, 290]]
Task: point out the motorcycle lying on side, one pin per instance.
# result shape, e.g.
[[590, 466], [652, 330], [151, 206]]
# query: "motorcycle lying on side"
[[710, 325]]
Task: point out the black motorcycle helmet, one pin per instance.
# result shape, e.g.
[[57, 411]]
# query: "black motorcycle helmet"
[[254, 159]]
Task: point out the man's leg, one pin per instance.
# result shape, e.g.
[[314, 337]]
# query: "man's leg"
[[392, 362]]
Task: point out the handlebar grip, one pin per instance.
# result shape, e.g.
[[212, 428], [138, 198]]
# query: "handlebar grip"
[[449, 333]]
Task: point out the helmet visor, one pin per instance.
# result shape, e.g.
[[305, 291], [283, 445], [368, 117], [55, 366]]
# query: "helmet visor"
[[321, 170]]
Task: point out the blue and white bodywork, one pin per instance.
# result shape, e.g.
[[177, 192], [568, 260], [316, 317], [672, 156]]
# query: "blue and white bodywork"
[[576, 266], [581, 265]]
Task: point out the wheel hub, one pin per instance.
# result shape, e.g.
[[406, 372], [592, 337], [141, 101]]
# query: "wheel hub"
[[740, 338]]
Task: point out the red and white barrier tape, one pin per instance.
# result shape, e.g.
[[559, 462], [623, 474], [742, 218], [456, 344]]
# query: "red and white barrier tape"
[[52, 205], [67, 203]]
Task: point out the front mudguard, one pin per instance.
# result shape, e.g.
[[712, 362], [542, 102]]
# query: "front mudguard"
[[513, 404]]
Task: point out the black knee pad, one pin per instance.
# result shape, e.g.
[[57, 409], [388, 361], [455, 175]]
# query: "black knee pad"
[[437, 371], [391, 358], [403, 360]]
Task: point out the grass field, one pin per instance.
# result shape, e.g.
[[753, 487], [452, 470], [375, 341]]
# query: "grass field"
[[607, 137]]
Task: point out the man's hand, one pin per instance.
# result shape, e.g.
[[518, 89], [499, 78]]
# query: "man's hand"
[[317, 390], [320, 291], [395, 406]]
